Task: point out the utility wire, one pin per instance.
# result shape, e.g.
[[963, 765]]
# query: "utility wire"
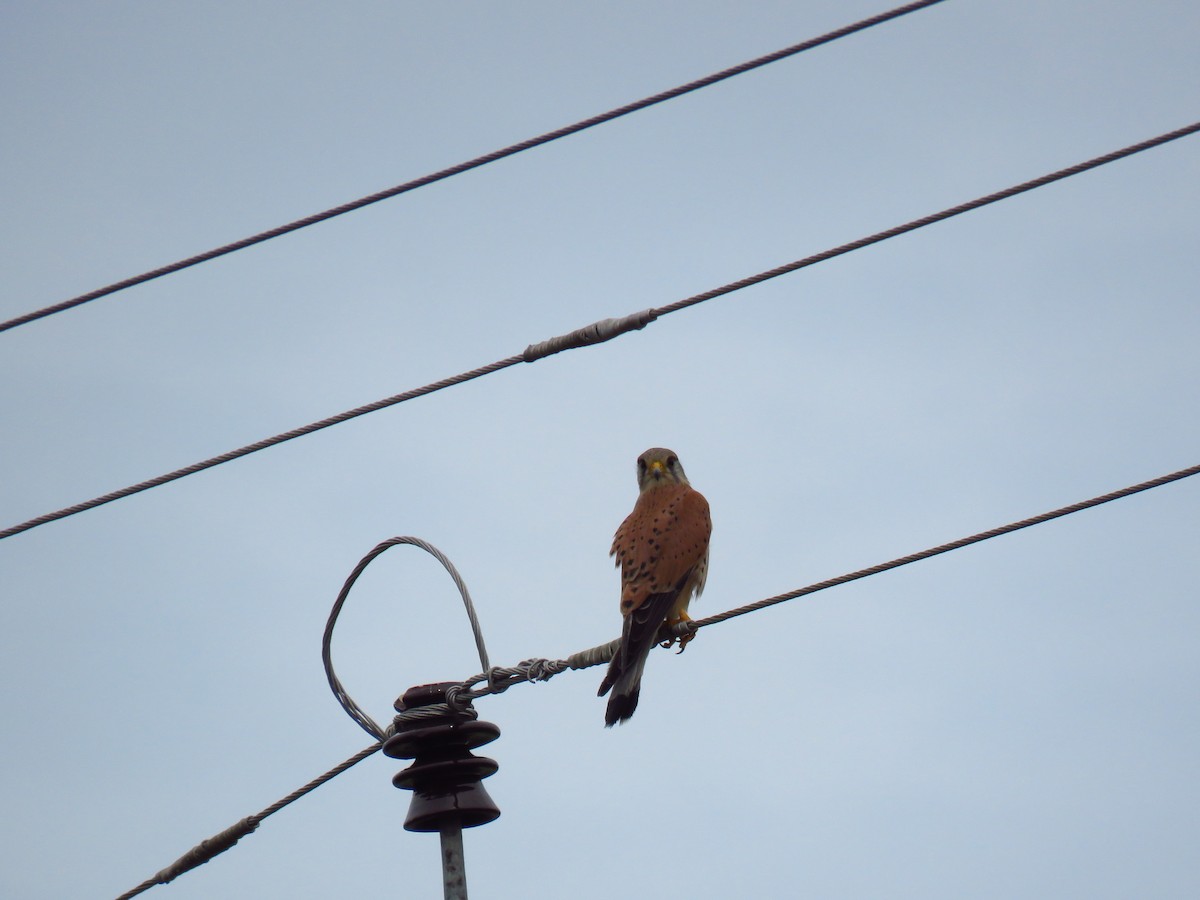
[[497, 679], [219, 843], [500, 678], [261, 445], [936, 217], [942, 548], [606, 329], [472, 163]]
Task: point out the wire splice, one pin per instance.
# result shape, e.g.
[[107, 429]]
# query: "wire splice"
[[596, 333], [207, 849]]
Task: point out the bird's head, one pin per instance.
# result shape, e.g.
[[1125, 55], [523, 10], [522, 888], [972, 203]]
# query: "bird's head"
[[658, 466]]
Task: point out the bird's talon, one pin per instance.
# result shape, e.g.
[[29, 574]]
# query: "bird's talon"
[[684, 639]]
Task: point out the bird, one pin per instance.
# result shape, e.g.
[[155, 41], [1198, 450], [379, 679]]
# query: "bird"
[[662, 551]]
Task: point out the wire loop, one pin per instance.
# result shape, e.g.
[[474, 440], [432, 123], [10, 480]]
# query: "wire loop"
[[343, 697]]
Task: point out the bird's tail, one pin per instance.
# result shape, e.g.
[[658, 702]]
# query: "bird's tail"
[[638, 635], [626, 684]]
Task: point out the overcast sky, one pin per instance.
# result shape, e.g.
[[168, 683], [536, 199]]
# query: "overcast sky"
[[1016, 719]]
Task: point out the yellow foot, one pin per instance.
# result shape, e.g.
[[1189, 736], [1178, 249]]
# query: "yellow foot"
[[686, 638]]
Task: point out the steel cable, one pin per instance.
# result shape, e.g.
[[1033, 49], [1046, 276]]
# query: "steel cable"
[[468, 165], [608, 329]]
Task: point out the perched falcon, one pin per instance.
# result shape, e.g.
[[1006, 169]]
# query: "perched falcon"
[[662, 549]]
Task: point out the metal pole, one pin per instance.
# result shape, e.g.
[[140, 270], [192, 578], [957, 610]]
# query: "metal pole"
[[454, 874]]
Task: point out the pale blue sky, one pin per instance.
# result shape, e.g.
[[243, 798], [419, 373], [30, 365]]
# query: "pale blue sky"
[[1015, 719]]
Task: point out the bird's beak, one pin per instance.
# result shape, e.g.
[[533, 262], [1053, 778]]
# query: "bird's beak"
[[657, 467]]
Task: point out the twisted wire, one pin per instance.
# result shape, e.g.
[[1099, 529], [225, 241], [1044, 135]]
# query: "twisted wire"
[[605, 330], [469, 164], [498, 679]]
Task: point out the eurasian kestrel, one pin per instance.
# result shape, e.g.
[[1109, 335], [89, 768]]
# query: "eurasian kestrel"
[[662, 549]]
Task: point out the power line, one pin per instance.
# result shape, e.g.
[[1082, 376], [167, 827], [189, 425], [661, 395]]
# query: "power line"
[[219, 843], [472, 163], [933, 218], [261, 445], [497, 679], [946, 548], [604, 330], [500, 678]]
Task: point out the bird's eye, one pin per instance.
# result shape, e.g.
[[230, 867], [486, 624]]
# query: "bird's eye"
[[672, 461], [641, 464]]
